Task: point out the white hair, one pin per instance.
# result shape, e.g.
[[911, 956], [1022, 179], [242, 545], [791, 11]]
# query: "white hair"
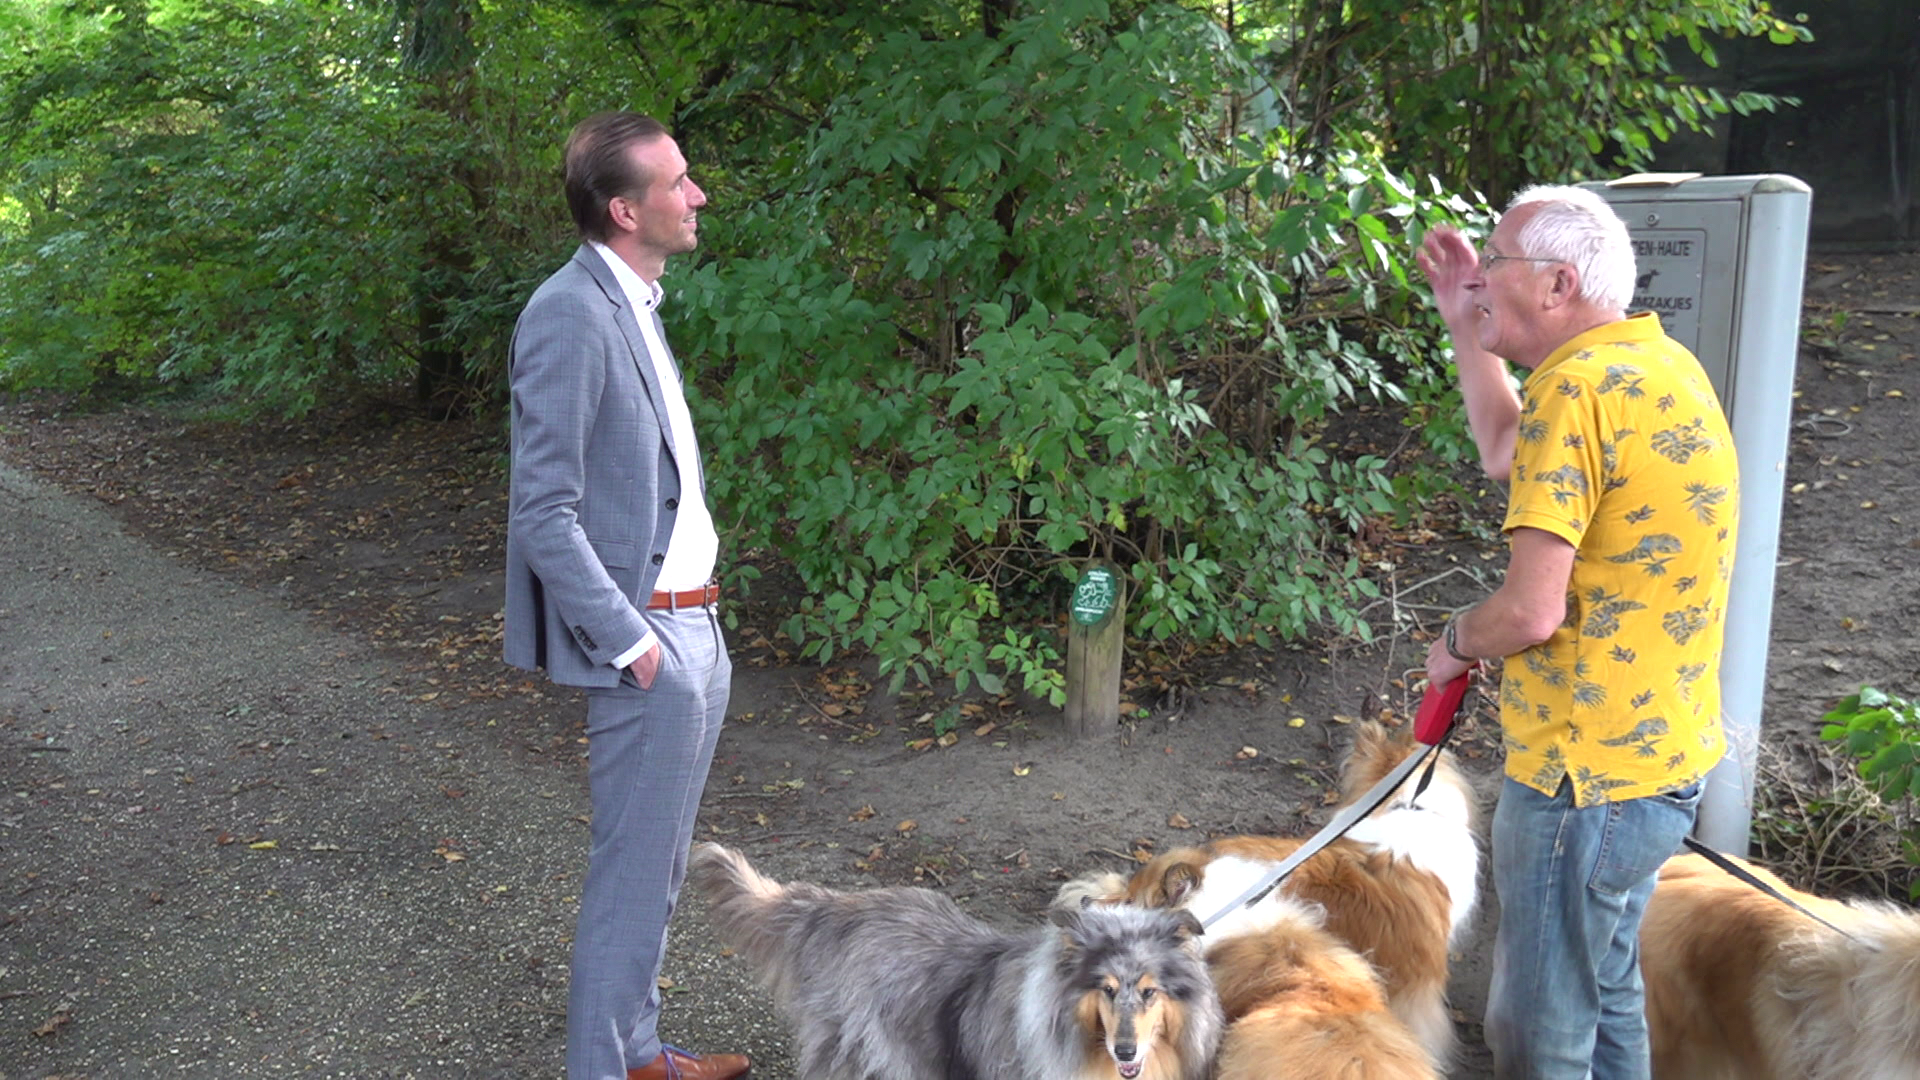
[[1575, 225]]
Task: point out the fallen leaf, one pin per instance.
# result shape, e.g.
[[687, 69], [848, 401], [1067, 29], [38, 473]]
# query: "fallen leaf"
[[986, 729], [61, 1018], [949, 738], [265, 845], [862, 814], [919, 744], [1179, 821], [1341, 718], [906, 826], [1022, 770], [1246, 752], [1298, 721]]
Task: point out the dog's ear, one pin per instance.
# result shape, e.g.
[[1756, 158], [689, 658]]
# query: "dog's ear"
[[1187, 926], [1370, 739], [1179, 882], [1072, 927]]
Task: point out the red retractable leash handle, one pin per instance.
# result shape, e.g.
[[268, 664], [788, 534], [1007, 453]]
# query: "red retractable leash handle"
[[1440, 707]]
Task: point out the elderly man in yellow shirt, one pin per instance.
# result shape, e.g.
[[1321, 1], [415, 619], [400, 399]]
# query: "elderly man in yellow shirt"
[[1622, 510]]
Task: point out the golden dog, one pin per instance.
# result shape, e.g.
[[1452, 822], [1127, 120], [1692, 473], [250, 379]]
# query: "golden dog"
[[1743, 987]]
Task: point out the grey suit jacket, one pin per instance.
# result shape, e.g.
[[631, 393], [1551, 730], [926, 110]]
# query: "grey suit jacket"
[[595, 488]]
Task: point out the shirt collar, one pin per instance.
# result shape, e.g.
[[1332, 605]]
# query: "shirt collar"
[[1640, 326], [642, 294]]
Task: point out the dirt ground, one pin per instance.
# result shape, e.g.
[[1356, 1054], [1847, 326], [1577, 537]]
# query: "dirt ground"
[[388, 528]]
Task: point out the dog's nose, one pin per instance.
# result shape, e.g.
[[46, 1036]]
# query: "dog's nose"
[[1125, 1050]]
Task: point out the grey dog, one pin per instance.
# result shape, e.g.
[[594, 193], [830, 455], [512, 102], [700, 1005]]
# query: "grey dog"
[[901, 984]]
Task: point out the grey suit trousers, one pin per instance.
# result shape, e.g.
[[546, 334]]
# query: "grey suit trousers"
[[648, 754]]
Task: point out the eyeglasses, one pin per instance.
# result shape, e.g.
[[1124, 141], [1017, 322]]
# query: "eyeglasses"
[[1493, 257]]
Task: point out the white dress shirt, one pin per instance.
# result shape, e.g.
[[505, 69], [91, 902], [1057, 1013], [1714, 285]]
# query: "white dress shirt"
[[694, 546]]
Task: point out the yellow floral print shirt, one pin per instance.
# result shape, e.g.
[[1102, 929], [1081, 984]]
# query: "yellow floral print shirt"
[[1624, 452]]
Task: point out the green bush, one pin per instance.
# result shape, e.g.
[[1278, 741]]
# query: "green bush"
[[938, 409], [264, 198], [1883, 731], [1496, 94]]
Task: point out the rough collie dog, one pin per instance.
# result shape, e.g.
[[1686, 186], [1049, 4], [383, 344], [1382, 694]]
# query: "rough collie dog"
[[899, 983], [1303, 1006], [1398, 888], [1741, 985]]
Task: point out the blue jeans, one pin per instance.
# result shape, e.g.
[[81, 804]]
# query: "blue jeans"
[[1567, 1001]]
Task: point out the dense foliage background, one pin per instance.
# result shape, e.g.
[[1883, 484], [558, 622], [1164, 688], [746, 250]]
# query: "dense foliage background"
[[988, 288]]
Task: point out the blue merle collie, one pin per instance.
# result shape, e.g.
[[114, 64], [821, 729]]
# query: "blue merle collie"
[[900, 983]]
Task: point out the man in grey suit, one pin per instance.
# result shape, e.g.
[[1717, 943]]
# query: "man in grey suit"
[[610, 558]]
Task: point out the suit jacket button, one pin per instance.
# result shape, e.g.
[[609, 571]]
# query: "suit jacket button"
[[658, 559], [673, 504]]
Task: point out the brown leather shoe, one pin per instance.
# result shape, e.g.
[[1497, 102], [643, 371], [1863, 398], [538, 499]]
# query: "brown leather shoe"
[[676, 1064]]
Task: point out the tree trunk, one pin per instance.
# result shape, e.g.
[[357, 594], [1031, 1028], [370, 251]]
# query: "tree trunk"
[[994, 16], [439, 47]]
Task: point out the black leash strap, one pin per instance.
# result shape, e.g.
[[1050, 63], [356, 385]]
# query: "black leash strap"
[[1440, 706], [1426, 774], [1741, 872], [1279, 879], [1426, 777]]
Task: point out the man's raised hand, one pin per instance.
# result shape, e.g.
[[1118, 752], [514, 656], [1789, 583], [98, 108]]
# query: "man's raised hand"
[[1452, 268]]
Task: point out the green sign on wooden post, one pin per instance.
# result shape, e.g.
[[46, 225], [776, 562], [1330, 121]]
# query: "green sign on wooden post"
[[1094, 597], [1096, 638]]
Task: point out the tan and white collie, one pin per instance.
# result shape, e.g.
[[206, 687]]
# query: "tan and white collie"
[[1742, 986], [1301, 1005], [1398, 889]]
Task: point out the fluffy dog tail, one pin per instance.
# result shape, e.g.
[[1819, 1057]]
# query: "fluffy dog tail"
[[1093, 887], [742, 903]]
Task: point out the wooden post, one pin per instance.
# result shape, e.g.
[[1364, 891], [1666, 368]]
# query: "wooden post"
[[1096, 642]]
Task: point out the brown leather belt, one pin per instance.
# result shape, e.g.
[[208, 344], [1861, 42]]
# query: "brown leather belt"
[[674, 601]]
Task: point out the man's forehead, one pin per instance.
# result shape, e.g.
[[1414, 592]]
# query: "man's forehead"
[[660, 157], [1511, 222]]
